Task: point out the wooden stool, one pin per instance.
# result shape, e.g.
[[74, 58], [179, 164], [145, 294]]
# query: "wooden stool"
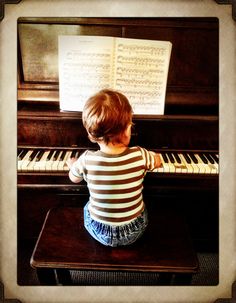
[[64, 244]]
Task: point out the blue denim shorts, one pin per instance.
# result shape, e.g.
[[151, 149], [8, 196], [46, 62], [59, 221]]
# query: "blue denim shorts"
[[116, 235]]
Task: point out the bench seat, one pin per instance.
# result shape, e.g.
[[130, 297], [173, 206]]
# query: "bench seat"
[[65, 245]]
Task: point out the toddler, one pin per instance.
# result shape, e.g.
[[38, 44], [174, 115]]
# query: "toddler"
[[115, 214]]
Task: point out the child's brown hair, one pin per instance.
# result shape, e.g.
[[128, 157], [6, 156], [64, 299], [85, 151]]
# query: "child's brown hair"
[[106, 115]]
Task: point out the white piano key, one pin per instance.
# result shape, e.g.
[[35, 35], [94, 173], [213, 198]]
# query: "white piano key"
[[200, 164], [166, 168], [190, 168], [30, 166], [209, 168], [41, 165], [172, 168], [20, 162], [158, 170], [182, 167], [62, 162], [68, 155], [195, 167], [49, 163], [34, 165], [26, 161], [56, 163], [214, 168], [208, 165]]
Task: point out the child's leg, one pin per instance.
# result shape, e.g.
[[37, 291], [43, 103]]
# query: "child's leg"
[[131, 232], [97, 230]]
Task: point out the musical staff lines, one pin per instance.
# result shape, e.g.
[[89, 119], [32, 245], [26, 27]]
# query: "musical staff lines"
[[136, 67], [142, 67]]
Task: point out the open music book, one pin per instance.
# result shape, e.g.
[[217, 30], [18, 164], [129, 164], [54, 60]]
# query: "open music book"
[[137, 68]]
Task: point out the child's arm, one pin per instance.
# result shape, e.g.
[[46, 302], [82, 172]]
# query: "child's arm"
[[152, 159], [73, 178]]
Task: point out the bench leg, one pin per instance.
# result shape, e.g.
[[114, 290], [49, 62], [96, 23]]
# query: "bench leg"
[[63, 276], [165, 278], [175, 279], [50, 276], [46, 276], [182, 279]]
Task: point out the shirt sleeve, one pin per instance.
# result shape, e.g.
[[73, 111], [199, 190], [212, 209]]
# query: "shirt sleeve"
[[149, 159], [78, 167]]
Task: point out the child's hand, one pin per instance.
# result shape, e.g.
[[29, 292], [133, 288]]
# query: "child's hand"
[[70, 162], [157, 158], [158, 161]]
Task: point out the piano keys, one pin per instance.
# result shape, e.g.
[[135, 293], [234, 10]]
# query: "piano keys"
[[54, 160]]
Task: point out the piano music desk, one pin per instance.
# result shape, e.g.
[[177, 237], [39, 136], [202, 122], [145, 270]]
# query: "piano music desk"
[[64, 245]]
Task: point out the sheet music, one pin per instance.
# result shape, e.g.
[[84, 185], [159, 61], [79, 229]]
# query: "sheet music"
[[141, 69], [85, 67], [138, 68]]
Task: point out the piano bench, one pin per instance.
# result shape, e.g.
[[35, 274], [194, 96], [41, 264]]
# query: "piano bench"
[[64, 246]]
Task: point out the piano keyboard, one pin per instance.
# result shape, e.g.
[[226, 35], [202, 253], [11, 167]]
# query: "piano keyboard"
[[41, 160]]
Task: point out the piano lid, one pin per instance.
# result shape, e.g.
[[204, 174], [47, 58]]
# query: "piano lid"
[[193, 79]]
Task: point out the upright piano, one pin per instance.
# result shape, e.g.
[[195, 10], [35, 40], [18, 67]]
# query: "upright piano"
[[186, 135]]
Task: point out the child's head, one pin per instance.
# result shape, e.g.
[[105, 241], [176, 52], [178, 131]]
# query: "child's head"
[[106, 116]]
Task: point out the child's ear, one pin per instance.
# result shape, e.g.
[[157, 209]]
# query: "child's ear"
[[128, 130]]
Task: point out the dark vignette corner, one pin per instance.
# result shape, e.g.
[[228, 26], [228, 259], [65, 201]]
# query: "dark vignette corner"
[[229, 300], [2, 298], [233, 2], [2, 3]]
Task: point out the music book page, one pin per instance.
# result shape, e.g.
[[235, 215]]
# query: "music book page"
[[137, 68]]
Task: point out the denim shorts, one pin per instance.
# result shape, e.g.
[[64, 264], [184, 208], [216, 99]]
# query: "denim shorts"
[[112, 235]]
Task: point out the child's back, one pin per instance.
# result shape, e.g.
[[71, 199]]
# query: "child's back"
[[115, 214]]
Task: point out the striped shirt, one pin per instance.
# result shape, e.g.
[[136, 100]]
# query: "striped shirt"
[[115, 183]]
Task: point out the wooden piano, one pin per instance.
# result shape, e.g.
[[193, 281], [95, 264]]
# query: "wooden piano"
[[186, 135]]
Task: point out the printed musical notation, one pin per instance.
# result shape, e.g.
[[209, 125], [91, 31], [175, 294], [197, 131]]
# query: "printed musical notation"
[[138, 68]]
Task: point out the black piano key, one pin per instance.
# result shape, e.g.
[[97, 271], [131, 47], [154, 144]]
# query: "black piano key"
[[214, 156], [73, 154], [56, 155], [19, 151], [177, 158], [50, 155], [33, 154], [172, 160], [22, 154], [165, 158], [39, 155], [187, 158], [193, 158], [209, 158], [62, 156], [203, 158]]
